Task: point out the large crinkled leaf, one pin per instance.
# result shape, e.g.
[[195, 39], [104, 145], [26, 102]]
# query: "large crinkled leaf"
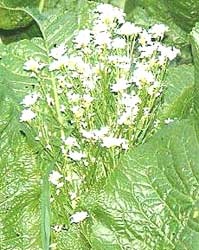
[[16, 82], [19, 183], [52, 4], [178, 98], [19, 198], [11, 17], [184, 13], [15, 23], [151, 201]]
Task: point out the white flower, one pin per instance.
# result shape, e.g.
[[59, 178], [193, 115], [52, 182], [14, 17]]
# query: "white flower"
[[141, 74], [73, 195], [118, 43], [56, 53], [168, 120], [60, 185], [145, 38], [156, 123], [109, 13], [88, 84], [76, 156], [48, 146], [30, 99], [100, 27], [85, 69], [119, 59], [27, 115], [168, 52], [152, 89], [158, 30], [102, 38], [125, 145], [73, 61], [49, 100], [73, 97], [110, 141], [78, 217], [62, 108], [120, 85], [146, 111], [83, 38], [130, 100], [77, 111], [57, 228], [87, 134], [33, 65], [129, 29], [129, 116], [87, 100], [103, 8], [54, 177], [147, 51], [124, 118], [70, 141], [58, 64], [99, 134]]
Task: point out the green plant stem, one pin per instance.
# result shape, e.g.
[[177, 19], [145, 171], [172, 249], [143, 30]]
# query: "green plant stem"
[[41, 5], [45, 209], [57, 106]]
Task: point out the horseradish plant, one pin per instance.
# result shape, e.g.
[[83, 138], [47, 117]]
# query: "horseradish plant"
[[107, 85]]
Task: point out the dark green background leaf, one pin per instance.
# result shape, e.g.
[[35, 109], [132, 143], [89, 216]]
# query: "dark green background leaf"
[[151, 200]]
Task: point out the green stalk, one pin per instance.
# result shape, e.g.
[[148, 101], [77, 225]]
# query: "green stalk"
[[41, 5], [57, 106], [45, 210]]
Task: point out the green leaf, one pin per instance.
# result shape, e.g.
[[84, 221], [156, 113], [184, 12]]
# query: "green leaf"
[[151, 201], [16, 82], [184, 13], [12, 17], [178, 97], [19, 183], [10, 36]]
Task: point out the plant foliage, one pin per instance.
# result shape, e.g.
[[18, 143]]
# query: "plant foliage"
[[151, 199]]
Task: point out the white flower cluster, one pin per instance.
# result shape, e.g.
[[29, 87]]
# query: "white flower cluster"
[[28, 101], [106, 86]]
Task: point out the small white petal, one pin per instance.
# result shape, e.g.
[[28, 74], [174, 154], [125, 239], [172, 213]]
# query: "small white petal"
[[27, 115], [76, 156], [78, 217], [54, 177]]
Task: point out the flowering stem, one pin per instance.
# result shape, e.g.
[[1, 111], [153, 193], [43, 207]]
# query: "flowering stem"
[[45, 211], [57, 106]]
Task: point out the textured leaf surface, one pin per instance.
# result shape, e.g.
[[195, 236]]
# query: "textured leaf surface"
[[178, 98], [151, 201], [184, 13], [16, 83], [11, 18], [19, 182]]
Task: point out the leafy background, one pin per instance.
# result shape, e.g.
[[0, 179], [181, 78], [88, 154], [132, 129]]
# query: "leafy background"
[[151, 200]]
